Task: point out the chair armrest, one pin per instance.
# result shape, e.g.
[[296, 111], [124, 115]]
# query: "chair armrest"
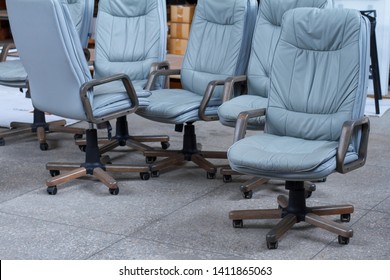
[[89, 85], [230, 84], [242, 122], [157, 73], [349, 127], [158, 66], [206, 98], [4, 52]]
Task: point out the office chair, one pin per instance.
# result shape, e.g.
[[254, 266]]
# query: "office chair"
[[63, 85], [314, 119], [256, 80], [218, 47], [136, 48], [13, 74]]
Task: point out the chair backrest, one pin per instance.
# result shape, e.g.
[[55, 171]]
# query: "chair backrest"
[[81, 12], [51, 51], [130, 36], [319, 73], [12, 72], [219, 42], [265, 37]]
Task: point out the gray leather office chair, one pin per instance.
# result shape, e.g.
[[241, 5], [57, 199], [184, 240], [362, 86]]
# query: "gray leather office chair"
[[136, 48], [314, 121], [62, 84], [13, 74], [218, 47], [256, 80]]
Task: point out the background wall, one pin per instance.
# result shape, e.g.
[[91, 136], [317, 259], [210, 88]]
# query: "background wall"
[[382, 30]]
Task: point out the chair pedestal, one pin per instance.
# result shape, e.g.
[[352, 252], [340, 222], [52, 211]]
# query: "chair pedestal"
[[189, 152], [122, 138], [41, 128], [92, 166], [254, 183], [293, 210]]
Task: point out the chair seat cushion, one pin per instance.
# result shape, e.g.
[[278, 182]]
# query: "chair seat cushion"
[[175, 106], [118, 87], [229, 111], [12, 73], [288, 158]]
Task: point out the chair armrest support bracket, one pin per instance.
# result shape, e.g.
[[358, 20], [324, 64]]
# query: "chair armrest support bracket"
[[349, 127], [242, 122], [89, 85]]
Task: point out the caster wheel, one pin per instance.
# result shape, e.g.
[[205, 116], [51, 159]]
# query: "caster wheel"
[[211, 175], [308, 194], [54, 173], [247, 195], [2, 142], [272, 245], [83, 148], [150, 160], [114, 191], [238, 223], [52, 190], [144, 176], [343, 240], [44, 146], [155, 173], [165, 145], [78, 136], [345, 218], [227, 178]]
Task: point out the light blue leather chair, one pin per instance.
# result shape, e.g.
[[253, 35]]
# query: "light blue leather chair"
[[131, 38], [218, 48], [256, 80], [314, 120], [61, 84], [13, 74]]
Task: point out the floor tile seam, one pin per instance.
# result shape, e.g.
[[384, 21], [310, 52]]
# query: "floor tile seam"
[[372, 209], [151, 223], [61, 224], [105, 248], [18, 196], [189, 247]]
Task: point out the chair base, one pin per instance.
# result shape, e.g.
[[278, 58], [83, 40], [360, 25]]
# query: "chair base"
[[189, 152], [92, 166], [41, 128], [122, 138], [293, 210], [248, 187]]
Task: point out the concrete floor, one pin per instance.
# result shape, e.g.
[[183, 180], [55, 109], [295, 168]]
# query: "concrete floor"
[[181, 214]]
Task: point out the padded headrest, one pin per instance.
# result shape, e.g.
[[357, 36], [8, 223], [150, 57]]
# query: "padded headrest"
[[273, 10], [218, 11], [126, 8], [337, 30]]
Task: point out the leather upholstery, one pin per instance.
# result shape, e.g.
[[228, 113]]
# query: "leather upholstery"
[[12, 72], [318, 80], [218, 48], [138, 32], [266, 34], [56, 83]]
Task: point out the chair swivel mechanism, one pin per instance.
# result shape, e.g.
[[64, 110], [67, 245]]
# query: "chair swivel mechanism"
[[13, 74], [256, 80], [218, 48], [69, 91], [137, 48], [314, 121]]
